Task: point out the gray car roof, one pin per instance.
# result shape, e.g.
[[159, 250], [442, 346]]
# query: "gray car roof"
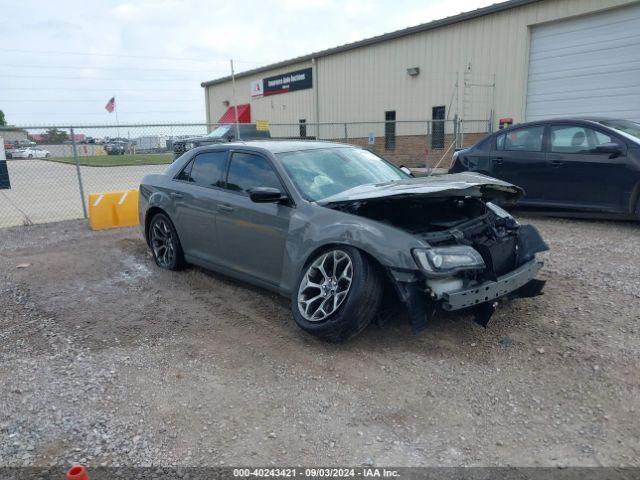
[[281, 146]]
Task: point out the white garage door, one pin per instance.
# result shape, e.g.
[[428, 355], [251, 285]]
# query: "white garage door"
[[586, 66]]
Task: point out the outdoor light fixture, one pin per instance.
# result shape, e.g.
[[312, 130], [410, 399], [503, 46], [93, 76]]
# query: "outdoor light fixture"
[[413, 71], [225, 103]]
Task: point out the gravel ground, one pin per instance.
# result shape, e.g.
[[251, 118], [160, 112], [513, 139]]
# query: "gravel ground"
[[108, 360]]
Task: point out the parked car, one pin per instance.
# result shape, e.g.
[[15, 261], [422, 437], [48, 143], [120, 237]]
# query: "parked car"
[[222, 134], [578, 164], [338, 229], [116, 147], [30, 152], [24, 143]]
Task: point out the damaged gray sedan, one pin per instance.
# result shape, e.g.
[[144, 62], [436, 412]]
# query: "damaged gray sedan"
[[341, 232]]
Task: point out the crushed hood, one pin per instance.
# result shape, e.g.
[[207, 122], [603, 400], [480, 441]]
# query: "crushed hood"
[[457, 185]]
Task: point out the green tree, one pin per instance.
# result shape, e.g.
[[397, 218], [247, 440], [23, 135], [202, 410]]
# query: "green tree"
[[3, 122], [53, 135]]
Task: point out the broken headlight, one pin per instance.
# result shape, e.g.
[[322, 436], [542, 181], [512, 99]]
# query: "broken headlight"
[[447, 260]]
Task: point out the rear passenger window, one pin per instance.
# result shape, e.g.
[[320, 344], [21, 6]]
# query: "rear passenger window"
[[208, 168], [247, 171], [524, 140]]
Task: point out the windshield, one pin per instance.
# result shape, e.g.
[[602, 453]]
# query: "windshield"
[[625, 126], [219, 132], [324, 172]]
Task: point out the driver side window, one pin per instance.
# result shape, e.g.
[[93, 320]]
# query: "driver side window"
[[248, 170], [576, 139]]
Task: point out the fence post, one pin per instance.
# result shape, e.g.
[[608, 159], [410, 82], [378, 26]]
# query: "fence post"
[[456, 132], [345, 132], [77, 161]]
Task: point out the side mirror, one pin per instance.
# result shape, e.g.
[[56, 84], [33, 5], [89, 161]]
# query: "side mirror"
[[406, 170], [610, 147], [266, 195]]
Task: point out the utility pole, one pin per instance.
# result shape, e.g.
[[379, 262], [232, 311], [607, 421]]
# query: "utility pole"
[[235, 103]]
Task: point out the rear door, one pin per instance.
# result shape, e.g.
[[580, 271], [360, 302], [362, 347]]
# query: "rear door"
[[519, 157], [195, 197], [584, 177], [252, 236]]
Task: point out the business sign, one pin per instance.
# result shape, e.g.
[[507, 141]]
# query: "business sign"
[[256, 88], [288, 82]]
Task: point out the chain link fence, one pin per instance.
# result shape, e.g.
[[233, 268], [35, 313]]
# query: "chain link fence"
[[52, 170]]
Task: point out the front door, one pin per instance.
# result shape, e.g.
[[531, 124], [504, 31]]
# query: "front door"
[[584, 177], [251, 236], [518, 157]]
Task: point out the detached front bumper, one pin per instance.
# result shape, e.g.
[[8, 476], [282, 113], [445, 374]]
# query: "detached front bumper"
[[491, 291]]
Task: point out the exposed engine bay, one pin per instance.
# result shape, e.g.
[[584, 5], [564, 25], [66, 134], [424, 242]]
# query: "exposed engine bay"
[[506, 249]]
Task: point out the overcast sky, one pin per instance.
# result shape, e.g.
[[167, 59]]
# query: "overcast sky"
[[63, 60]]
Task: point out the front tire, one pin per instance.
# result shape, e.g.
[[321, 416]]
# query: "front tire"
[[338, 294], [165, 244]]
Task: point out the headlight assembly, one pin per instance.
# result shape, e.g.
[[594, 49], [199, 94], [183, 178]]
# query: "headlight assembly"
[[442, 261]]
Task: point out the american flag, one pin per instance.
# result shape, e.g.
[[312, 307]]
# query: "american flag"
[[111, 105]]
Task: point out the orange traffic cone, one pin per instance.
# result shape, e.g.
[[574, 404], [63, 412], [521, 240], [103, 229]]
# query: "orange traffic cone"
[[77, 472]]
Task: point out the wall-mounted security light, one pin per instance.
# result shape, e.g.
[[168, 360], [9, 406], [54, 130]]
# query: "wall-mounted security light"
[[225, 103], [413, 71]]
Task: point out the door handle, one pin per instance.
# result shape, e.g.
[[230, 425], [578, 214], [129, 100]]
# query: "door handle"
[[225, 208], [498, 160], [175, 195], [556, 163]]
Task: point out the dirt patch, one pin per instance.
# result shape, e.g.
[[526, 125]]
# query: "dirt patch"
[[109, 360]]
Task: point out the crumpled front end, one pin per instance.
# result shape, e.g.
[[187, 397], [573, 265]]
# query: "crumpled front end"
[[474, 253], [496, 260]]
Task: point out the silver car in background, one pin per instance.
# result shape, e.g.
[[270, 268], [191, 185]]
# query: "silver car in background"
[[339, 230]]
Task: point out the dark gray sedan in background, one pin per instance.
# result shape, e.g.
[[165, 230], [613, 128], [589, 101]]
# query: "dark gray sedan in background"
[[570, 164], [339, 230]]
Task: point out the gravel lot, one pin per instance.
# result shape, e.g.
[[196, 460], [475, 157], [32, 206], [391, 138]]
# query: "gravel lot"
[[107, 360]]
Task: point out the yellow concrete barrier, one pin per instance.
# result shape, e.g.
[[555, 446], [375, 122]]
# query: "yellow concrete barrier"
[[113, 209]]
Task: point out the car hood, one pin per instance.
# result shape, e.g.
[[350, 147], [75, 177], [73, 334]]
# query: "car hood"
[[458, 184]]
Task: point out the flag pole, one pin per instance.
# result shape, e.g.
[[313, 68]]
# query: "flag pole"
[[235, 103], [115, 110]]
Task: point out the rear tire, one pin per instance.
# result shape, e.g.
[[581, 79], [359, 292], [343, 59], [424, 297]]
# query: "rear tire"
[[165, 244], [333, 310]]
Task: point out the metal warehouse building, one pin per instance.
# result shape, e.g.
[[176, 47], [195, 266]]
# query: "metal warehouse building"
[[520, 59]]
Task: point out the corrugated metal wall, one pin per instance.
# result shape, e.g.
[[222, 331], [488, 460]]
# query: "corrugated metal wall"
[[361, 84]]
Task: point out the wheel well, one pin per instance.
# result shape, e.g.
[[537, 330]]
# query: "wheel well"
[[147, 219]]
